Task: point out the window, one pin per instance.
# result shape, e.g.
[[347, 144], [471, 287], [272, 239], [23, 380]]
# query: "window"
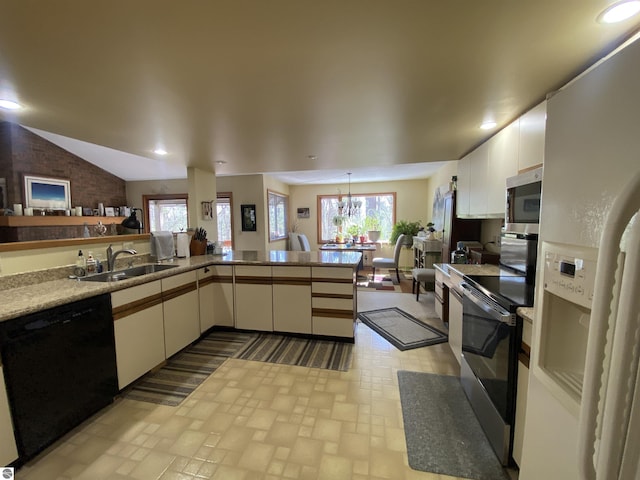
[[278, 217], [224, 210], [332, 222], [165, 212]]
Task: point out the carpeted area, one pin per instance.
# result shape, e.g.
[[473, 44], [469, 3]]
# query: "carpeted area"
[[442, 432], [187, 369], [327, 354], [401, 329], [384, 281]]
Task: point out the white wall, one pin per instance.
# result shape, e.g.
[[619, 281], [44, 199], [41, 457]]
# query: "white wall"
[[246, 190], [135, 190], [202, 188]]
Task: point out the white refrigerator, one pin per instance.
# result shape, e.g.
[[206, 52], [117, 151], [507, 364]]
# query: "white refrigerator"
[[584, 386]]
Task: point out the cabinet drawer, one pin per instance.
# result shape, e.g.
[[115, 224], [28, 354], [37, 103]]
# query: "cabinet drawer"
[[178, 280], [337, 289], [135, 294], [333, 327], [332, 273], [333, 303]]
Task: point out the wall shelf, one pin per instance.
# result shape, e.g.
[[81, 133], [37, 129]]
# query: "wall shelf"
[[55, 221]]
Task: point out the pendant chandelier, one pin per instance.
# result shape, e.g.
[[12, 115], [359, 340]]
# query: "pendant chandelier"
[[350, 207]]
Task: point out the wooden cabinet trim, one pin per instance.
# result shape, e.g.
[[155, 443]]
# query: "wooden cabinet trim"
[[206, 281], [333, 295], [254, 280], [291, 281], [332, 280], [137, 306], [178, 291], [221, 278], [330, 312]]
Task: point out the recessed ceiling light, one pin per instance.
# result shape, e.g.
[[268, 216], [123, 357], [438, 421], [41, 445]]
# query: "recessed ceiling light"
[[220, 162], [312, 157], [619, 11], [160, 151], [10, 105], [488, 125]]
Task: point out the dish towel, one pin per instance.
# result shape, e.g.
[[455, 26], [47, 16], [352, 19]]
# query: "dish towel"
[[162, 246]]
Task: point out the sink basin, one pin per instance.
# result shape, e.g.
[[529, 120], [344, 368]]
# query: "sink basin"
[[127, 273]]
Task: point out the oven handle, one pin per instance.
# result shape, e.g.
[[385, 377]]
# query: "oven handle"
[[488, 305]]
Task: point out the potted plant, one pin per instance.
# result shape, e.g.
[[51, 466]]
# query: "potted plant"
[[354, 231], [410, 229], [372, 227]]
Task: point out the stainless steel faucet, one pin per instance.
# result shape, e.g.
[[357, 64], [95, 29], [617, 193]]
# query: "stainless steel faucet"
[[111, 256]]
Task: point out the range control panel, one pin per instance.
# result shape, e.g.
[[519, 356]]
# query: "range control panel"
[[570, 271]]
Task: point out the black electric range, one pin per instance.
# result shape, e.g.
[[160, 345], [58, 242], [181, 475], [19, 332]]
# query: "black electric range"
[[509, 291]]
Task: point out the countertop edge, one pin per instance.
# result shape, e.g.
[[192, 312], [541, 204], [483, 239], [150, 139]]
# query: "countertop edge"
[[19, 301]]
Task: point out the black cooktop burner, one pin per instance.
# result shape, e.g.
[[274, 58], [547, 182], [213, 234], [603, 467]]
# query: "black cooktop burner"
[[509, 291]]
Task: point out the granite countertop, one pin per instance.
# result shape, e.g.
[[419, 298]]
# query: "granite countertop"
[[528, 313], [21, 300]]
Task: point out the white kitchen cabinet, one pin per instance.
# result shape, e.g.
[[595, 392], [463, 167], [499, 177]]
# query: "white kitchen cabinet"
[[455, 314], [502, 163], [254, 297], [464, 183], [478, 176], [223, 300], [206, 296], [441, 292], [522, 390], [455, 323], [291, 299], [137, 315], [532, 135], [333, 301], [180, 306], [8, 449]]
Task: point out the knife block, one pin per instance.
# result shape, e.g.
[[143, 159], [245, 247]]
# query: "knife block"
[[197, 247]]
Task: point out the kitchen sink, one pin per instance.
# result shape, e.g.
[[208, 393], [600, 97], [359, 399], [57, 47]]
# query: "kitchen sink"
[[127, 273]]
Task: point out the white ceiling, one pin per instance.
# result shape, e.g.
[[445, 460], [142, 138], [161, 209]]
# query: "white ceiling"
[[307, 90]]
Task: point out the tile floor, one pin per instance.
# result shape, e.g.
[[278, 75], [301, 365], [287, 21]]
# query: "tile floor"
[[253, 420]]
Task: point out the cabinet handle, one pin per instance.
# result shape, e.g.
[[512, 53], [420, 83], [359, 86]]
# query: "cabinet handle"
[[206, 269]]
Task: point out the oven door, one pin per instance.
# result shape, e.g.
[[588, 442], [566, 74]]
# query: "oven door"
[[489, 365]]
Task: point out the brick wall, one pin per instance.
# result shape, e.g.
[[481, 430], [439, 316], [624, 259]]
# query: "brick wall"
[[33, 155], [23, 152]]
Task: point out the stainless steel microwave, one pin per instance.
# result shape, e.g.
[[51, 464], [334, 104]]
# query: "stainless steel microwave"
[[524, 195]]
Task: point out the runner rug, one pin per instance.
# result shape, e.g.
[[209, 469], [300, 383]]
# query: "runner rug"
[[442, 433], [183, 372], [401, 329]]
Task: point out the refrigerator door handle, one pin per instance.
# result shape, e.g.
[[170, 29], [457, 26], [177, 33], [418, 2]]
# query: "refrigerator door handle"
[[602, 420]]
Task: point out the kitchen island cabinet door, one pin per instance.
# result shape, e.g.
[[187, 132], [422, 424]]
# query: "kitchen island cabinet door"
[[139, 330], [181, 317], [8, 449], [292, 299], [254, 297]]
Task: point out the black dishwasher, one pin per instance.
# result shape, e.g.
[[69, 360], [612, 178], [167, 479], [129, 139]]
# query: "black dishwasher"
[[59, 368]]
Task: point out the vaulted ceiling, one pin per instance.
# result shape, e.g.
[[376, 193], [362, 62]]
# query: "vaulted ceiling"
[[252, 86]]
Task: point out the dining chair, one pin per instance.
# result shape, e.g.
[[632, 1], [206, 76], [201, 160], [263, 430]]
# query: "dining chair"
[[382, 262], [304, 242]]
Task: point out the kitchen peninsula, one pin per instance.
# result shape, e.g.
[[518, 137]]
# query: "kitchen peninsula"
[[259, 283]]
